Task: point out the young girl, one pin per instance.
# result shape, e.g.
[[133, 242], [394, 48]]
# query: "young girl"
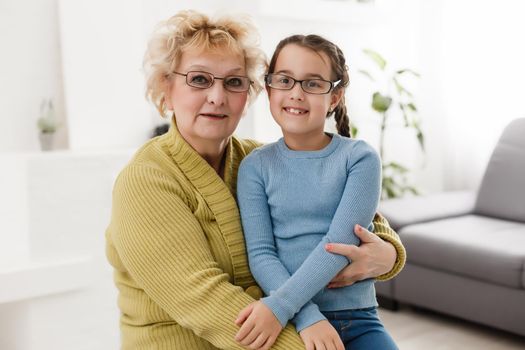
[[299, 195]]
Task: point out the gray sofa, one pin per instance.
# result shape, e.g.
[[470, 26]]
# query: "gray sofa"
[[466, 250]]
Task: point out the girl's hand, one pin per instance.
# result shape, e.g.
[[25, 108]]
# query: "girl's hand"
[[260, 328], [372, 258], [321, 335]]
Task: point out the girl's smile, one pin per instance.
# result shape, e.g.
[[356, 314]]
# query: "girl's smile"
[[295, 110]]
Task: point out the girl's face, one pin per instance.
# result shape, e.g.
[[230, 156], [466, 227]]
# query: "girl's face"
[[211, 114], [297, 112]]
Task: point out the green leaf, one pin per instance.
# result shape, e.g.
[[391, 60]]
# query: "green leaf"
[[390, 193], [412, 106], [413, 190], [388, 190], [353, 130], [47, 125], [366, 74], [381, 103], [387, 181], [397, 167], [406, 70], [400, 88], [404, 112], [421, 139], [377, 58]]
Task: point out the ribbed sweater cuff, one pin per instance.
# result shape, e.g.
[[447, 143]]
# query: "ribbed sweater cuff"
[[279, 309], [400, 260], [307, 316]]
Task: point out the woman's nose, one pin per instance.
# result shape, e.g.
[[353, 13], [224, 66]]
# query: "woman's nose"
[[217, 94]]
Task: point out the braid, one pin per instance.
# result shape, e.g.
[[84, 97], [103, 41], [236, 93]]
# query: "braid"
[[341, 119], [340, 113]]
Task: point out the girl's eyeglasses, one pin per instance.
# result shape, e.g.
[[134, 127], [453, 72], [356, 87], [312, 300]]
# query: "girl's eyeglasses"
[[311, 86]]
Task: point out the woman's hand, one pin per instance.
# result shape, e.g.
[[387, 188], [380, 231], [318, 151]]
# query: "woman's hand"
[[372, 258], [321, 335], [260, 328]]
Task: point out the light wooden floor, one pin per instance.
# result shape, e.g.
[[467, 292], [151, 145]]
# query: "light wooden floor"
[[415, 329]]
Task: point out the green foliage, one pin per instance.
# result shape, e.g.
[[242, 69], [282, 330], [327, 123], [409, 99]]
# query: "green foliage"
[[377, 58], [47, 122], [395, 176], [381, 103]]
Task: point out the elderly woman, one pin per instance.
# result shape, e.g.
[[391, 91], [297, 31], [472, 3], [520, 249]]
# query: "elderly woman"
[[175, 238]]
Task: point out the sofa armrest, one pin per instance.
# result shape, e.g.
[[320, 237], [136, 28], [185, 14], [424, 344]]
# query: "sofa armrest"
[[413, 210]]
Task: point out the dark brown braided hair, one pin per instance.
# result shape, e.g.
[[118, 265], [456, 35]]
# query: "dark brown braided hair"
[[339, 69]]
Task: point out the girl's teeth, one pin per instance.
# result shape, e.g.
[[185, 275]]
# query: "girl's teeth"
[[295, 111]]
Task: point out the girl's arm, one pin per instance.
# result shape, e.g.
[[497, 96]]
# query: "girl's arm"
[[164, 249], [266, 267], [374, 257], [375, 253], [357, 206]]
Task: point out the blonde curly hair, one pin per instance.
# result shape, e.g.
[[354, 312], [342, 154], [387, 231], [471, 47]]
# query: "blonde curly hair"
[[189, 30]]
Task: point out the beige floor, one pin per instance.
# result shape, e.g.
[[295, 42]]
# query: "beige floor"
[[415, 329]]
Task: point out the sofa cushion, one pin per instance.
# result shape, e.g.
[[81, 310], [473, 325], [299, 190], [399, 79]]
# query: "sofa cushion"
[[479, 247], [401, 212], [502, 191]]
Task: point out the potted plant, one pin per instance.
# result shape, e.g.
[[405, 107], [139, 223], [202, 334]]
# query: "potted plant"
[[47, 125], [390, 94]]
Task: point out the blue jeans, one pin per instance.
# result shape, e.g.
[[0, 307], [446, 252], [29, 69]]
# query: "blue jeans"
[[361, 329]]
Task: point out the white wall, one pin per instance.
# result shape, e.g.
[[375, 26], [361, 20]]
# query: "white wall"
[[102, 48], [30, 70], [56, 260], [483, 81]]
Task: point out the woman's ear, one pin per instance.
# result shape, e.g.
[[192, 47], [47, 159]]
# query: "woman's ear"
[[167, 94], [245, 110]]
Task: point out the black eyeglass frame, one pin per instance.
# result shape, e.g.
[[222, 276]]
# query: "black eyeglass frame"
[[333, 84], [213, 80]]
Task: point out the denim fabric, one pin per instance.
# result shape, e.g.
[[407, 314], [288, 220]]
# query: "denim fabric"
[[361, 329]]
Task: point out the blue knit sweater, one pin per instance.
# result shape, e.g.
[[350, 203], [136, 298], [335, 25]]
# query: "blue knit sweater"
[[294, 202]]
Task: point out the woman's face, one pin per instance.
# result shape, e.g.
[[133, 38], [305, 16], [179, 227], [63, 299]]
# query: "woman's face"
[[211, 114]]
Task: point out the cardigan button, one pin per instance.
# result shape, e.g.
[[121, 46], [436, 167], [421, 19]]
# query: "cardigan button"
[[255, 292]]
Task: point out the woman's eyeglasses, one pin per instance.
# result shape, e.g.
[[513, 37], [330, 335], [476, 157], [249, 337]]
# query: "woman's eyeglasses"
[[205, 80], [311, 86]]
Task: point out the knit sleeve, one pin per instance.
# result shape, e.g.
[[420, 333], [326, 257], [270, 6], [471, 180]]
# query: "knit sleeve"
[[357, 206], [164, 249], [383, 230]]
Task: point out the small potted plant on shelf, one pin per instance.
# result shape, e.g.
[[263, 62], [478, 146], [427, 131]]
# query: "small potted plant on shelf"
[[47, 125]]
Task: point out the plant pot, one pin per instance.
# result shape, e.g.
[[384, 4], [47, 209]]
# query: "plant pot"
[[46, 141]]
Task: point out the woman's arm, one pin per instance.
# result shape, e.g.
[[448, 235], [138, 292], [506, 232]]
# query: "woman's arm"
[[164, 249], [383, 230], [380, 255]]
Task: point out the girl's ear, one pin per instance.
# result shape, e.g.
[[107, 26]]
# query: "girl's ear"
[[335, 98], [268, 90]]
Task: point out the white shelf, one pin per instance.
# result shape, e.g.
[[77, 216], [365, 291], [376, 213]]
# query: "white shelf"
[[31, 279]]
